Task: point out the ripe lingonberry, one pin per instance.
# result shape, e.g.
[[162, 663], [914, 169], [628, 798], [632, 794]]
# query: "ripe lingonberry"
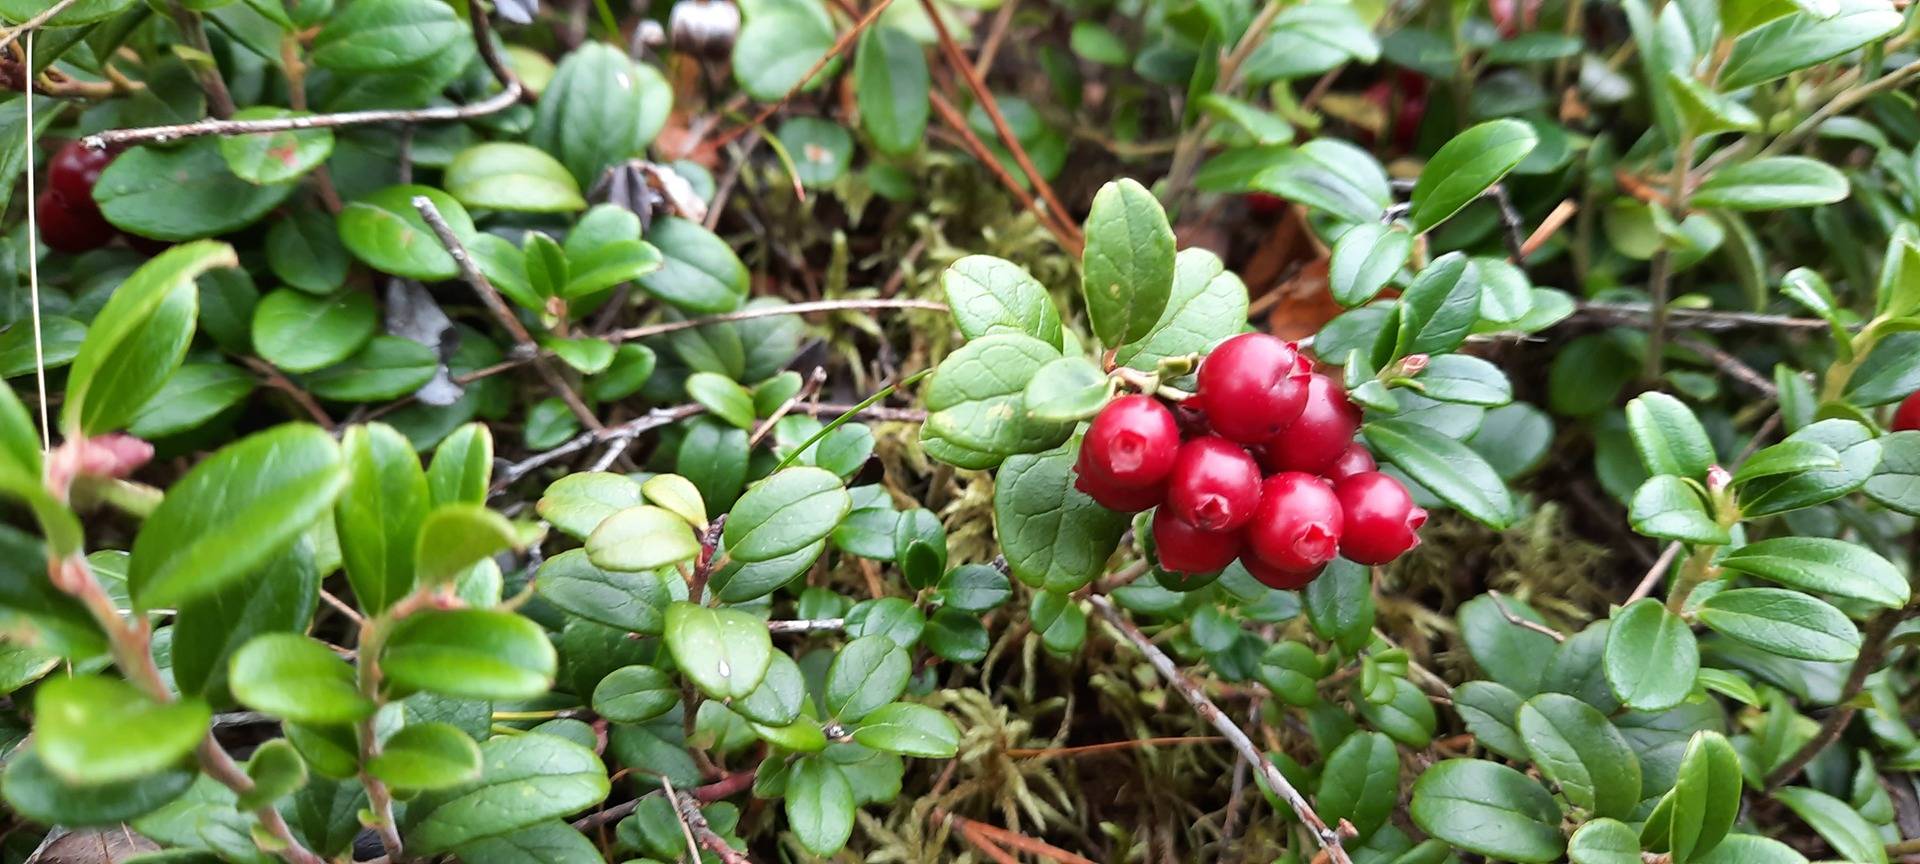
[[1297, 527], [1356, 459], [69, 229], [1279, 578], [73, 172], [1380, 519], [1130, 444], [1117, 498], [1323, 432], [1906, 418], [1184, 548], [1252, 386], [1215, 485]]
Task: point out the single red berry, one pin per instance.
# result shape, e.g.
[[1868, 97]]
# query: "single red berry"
[[1298, 524], [1184, 548], [1380, 519], [1130, 444], [73, 172], [1321, 435], [1279, 578], [1215, 485], [1356, 459], [1906, 418], [1117, 498], [1252, 386], [69, 229], [1265, 203]]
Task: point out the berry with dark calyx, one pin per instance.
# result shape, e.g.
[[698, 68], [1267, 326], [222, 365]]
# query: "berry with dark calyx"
[[1298, 525], [1120, 499], [1215, 485], [1321, 435], [1278, 578], [1183, 548], [1906, 418], [69, 229], [74, 171], [1356, 459], [1252, 386], [1381, 522], [1130, 444]]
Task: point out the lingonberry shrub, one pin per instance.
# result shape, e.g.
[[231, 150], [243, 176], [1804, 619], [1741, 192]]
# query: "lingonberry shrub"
[[579, 432]]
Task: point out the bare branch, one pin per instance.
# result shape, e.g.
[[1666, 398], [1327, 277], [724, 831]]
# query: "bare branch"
[[43, 17], [1500, 603]]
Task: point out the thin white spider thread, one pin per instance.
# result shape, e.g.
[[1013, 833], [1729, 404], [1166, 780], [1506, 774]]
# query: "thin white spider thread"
[[33, 258]]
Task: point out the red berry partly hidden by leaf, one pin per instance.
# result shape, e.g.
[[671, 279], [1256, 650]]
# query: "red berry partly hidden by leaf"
[[1215, 485], [1321, 435], [1183, 548], [1279, 578], [1298, 525], [69, 229], [1265, 203], [1130, 444], [1380, 519], [1356, 459], [1117, 498], [1252, 386], [1906, 418], [73, 171]]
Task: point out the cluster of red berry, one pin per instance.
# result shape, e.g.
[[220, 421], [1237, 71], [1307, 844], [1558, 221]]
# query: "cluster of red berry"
[[69, 220], [1258, 405]]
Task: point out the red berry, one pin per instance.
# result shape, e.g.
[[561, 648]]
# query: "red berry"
[[1252, 386], [1131, 444], [1278, 578], [1353, 460], [73, 171], [1215, 485], [1297, 527], [1906, 418], [1117, 498], [69, 229], [1321, 435], [1380, 518], [1183, 548], [1265, 203]]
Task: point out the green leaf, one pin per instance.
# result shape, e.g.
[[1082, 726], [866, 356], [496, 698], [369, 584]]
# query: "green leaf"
[[300, 332], [819, 805], [701, 274], [909, 730], [1466, 166], [304, 251], [462, 466], [1751, 849], [1668, 508], [1895, 485], [500, 175], [38, 794], [1669, 438], [192, 396], [990, 295], [1065, 390], [455, 537], [281, 597], [635, 694], [1837, 822], [386, 231], [786, 513], [297, 678], [1266, 127], [1490, 712], [274, 157], [594, 112], [1576, 748], [1897, 293], [780, 698], [525, 780], [1508, 653], [1488, 808], [1604, 841], [138, 338], [554, 842], [1825, 565], [577, 503], [1772, 183], [722, 397], [181, 193], [1340, 604], [975, 588], [1859, 455], [1208, 304], [1330, 175], [1465, 380], [1704, 112], [1651, 657], [1053, 535], [891, 86], [277, 771], [380, 35], [1783, 622], [1127, 270], [1364, 261], [1790, 457], [379, 513], [426, 756], [1802, 39], [820, 149], [725, 651], [641, 538], [387, 367], [83, 12], [1438, 310], [1407, 716], [976, 398], [869, 672], [90, 730], [604, 249], [779, 42], [469, 654], [1361, 782], [1448, 468], [232, 512], [1696, 814]]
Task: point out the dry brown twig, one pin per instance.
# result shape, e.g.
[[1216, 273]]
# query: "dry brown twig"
[[839, 47], [36, 21]]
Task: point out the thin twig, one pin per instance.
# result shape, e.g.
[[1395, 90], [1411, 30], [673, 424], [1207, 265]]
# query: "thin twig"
[[1652, 579], [1186, 155], [1328, 838], [285, 385], [651, 420], [1108, 747], [1872, 648], [1699, 319], [43, 17], [666, 327], [1733, 366], [693, 846], [1500, 603], [695, 824], [120, 137], [839, 47], [958, 123], [806, 391], [219, 99], [1844, 101], [998, 835], [491, 298], [806, 625]]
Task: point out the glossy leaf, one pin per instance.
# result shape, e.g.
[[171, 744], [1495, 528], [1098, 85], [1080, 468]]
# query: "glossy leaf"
[[1127, 271]]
